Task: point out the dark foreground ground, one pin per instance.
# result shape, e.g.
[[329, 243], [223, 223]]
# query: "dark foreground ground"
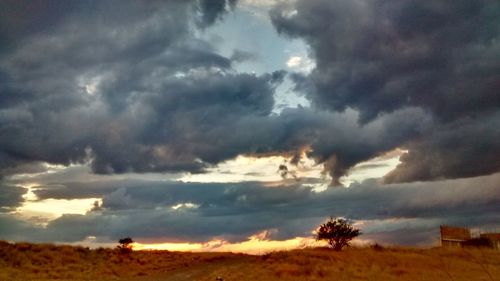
[[23, 261]]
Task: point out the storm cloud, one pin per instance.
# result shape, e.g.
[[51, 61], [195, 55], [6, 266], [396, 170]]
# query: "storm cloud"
[[146, 94], [133, 90], [10, 197], [381, 56]]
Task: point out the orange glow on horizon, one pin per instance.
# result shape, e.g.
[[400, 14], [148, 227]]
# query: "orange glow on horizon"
[[254, 245]]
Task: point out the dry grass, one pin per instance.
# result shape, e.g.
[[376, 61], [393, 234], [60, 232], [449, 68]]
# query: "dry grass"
[[24, 261]]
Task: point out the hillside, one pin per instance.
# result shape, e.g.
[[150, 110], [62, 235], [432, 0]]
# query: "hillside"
[[24, 261]]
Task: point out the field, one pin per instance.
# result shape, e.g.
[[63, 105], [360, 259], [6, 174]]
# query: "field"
[[24, 261]]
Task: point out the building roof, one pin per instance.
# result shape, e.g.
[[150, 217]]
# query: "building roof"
[[455, 233], [491, 236]]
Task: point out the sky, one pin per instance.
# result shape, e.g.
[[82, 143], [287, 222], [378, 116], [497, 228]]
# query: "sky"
[[241, 125]]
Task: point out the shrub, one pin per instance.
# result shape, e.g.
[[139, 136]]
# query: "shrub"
[[377, 247], [125, 245], [337, 232]]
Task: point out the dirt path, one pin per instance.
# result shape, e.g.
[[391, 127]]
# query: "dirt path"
[[203, 271]]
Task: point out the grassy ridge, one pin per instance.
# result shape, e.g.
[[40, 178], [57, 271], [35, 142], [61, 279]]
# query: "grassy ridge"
[[23, 261]]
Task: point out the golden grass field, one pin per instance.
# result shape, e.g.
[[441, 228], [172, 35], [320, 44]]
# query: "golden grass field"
[[24, 261]]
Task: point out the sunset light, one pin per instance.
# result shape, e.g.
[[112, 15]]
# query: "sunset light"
[[249, 139], [253, 246]]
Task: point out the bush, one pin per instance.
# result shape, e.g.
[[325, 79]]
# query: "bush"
[[377, 247], [337, 232], [125, 245]]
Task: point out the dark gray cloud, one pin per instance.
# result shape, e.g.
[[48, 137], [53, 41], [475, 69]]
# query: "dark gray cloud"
[[128, 85], [241, 55], [191, 136], [14, 229], [185, 120], [381, 56], [19, 20], [378, 56], [10, 196], [211, 11], [464, 148]]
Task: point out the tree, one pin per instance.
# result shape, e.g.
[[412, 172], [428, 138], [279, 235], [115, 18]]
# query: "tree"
[[125, 245], [337, 232]]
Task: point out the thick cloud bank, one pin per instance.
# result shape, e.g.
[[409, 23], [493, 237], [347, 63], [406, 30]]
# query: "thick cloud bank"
[[173, 211], [132, 88], [381, 56]]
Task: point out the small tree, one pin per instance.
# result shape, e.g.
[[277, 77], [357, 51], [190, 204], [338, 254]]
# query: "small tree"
[[337, 232], [125, 245]]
